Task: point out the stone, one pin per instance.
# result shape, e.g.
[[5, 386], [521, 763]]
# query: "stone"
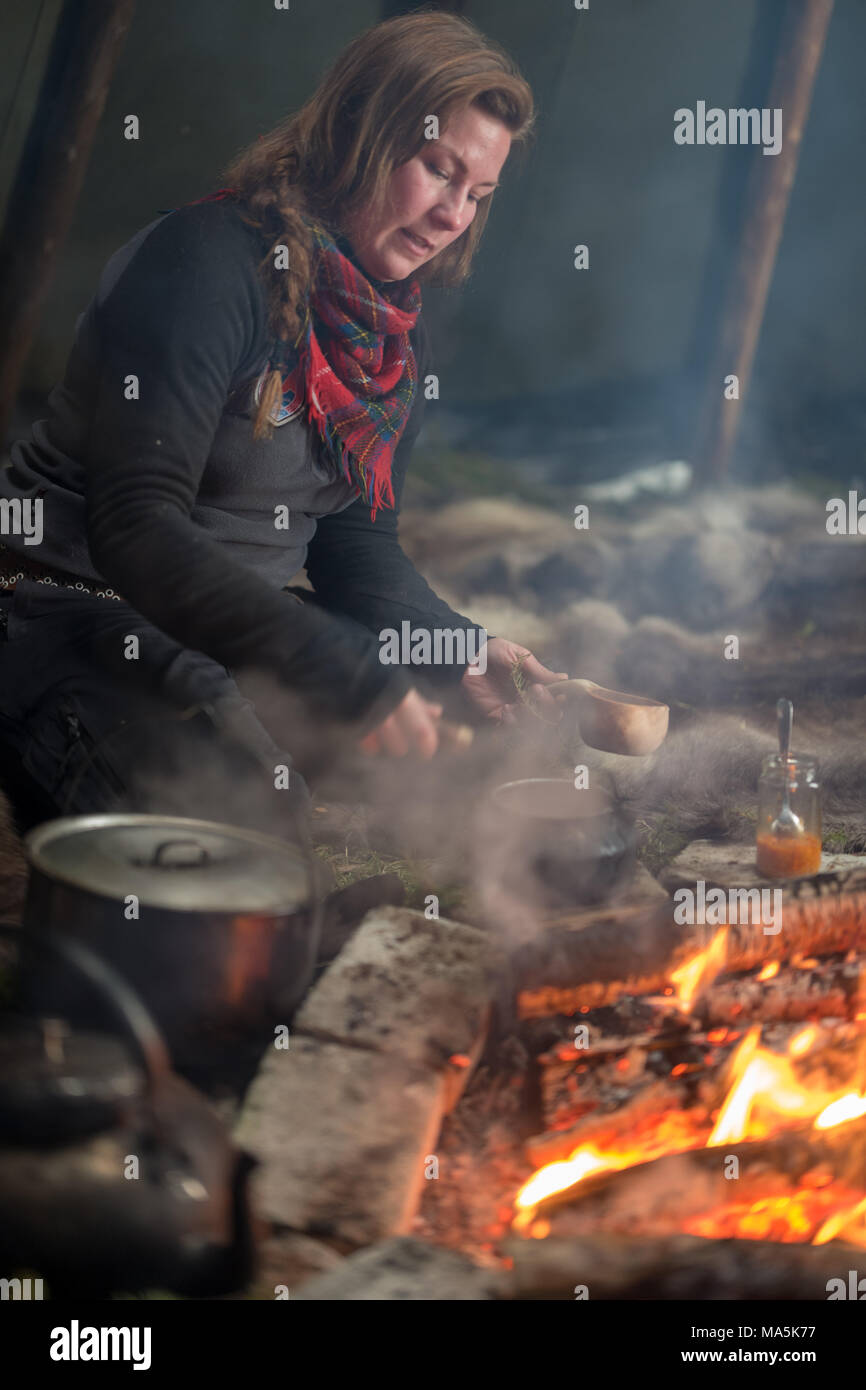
[[288, 1259], [406, 1270], [341, 1135], [412, 987], [733, 866]]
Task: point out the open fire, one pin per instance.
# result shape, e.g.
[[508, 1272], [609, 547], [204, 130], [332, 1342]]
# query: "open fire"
[[814, 1084]]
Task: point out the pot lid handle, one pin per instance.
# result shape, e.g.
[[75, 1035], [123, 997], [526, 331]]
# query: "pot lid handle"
[[185, 860]]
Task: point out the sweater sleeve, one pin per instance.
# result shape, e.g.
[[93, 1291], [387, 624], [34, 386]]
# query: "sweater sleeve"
[[177, 328], [358, 567]]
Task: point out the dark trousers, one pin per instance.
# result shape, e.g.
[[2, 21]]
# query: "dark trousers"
[[101, 711]]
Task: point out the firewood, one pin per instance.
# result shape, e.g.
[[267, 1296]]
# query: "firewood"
[[821, 915], [565, 972], [602, 962], [607, 1073], [607, 1128], [576, 1104], [547, 1000], [791, 996], [655, 1197], [675, 1267]]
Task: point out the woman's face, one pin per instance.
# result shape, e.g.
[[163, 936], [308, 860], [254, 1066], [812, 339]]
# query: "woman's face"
[[431, 200]]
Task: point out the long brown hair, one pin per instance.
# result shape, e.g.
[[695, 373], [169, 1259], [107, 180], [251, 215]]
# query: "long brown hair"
[[365, 119]]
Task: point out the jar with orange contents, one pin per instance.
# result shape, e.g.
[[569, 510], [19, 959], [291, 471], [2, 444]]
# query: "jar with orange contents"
[[791, 855]]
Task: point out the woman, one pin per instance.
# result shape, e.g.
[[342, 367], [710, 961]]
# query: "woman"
[[240, 401]]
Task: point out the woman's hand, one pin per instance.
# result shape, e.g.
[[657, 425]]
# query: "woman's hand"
[[413, 727], [494, 693]]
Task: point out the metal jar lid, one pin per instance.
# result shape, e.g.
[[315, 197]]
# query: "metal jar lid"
[[173, 862]]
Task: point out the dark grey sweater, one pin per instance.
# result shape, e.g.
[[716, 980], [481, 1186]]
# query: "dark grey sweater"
[[168, 499]]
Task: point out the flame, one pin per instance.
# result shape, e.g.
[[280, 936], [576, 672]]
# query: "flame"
[[556, 1177], [764, 1096], [803, 1041], [696, 974], [846, 1223], [673, 1133], [765, 1088], [769, 972], [788, 1218], [847, 1107]]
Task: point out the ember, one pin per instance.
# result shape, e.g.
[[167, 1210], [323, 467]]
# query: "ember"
[[765, 1091], [785, 1218]]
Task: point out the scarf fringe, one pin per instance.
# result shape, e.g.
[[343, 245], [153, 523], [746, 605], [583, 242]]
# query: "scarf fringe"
[[375, 487]]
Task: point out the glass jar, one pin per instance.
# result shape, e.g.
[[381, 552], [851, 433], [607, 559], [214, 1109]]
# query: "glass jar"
[[793, 855]]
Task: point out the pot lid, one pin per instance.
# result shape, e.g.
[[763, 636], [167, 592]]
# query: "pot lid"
[[173, 862]]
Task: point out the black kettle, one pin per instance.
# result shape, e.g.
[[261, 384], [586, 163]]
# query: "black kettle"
[[115, 1174]]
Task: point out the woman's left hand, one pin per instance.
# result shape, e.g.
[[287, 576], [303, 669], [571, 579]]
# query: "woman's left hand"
[[494, 693]]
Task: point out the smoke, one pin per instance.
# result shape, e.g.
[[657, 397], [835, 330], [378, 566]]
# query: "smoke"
[[710, 768], [217, 765], [630, 636]]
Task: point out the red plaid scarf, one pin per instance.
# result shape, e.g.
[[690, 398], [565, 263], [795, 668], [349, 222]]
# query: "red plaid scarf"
[[355, 368], [359, 367]]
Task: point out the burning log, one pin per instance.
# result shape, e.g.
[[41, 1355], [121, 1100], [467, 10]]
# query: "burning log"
[[564, 971], [795, 1182], [792, 996], [623, 1127], [579, 1087], [814, 1074], [574, 1083], [569, 971], [676, 1267], [821, 915]]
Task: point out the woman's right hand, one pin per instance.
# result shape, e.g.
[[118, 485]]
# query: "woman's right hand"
[[413, 727]]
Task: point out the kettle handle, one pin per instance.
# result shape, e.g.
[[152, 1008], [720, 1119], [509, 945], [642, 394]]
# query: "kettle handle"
[[129, 1011]]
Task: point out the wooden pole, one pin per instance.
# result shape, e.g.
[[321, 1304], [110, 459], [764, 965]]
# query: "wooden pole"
[[87, 44], [769, 190]]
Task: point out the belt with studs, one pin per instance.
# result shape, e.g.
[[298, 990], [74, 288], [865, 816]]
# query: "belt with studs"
[[15, 566]]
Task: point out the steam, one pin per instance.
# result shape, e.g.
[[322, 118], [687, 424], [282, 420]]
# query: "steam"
[[644, 629]]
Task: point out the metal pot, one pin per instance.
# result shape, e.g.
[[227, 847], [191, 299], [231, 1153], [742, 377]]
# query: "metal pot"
[[560, 846], [215, 927]]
